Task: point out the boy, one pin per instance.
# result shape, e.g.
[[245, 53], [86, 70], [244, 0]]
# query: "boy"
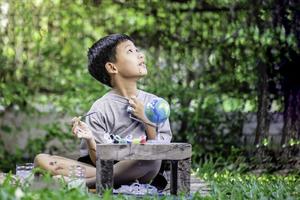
[[116, 62]]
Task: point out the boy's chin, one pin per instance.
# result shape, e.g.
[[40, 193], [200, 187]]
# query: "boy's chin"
[[143, 72], [142, 75]]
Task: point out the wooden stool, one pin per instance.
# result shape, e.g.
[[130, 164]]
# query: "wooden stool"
[[179, 154]]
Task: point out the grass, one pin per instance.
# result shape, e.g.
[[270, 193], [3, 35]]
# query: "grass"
[[230, 185], [225, 184], [232, 179]]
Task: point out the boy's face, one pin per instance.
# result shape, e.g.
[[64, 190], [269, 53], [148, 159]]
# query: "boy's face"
[[130, 62]]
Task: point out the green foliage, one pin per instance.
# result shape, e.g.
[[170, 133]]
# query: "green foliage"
[[46, 188], [232, 183], [236, 186], [9, 160], [201, 55], [223, 184]]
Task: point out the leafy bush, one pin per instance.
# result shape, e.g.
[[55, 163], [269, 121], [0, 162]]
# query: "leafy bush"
[[224, 185]]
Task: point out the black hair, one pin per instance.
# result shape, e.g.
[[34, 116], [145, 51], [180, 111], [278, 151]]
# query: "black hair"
[[101, 52]]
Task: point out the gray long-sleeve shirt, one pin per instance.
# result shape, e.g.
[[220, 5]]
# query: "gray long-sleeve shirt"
[[112, 118]]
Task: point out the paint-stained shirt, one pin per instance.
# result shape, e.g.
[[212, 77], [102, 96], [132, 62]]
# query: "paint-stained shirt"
[[112, 117]]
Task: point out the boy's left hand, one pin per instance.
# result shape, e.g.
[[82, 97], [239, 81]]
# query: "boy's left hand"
[[81, 129], [138, 108]]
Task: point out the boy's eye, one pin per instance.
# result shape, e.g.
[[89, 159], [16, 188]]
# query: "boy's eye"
[[132, 50]]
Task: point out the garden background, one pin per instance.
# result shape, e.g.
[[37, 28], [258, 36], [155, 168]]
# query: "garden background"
[[227, 68]]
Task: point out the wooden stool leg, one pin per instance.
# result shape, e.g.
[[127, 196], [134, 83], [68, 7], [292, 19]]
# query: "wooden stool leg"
[[184, 176], [104, 175], [174, 177], [180, 176]]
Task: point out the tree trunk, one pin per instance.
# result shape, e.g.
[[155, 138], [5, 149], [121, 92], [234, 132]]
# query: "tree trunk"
[[291, 116], [263, 104], [291, 82], [290, 79], [262, 87]]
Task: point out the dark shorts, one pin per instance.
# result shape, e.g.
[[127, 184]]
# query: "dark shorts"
[[87, 160], [159, 181]]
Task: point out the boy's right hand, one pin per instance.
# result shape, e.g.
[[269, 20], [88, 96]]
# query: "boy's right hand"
[[81, 129]]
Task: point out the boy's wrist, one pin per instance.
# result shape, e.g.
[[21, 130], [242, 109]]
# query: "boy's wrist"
[[89, 140], [145, 120], [148, 123]]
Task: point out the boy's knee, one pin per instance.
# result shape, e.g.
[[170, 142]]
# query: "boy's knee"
[[156, 165], [40, 158]]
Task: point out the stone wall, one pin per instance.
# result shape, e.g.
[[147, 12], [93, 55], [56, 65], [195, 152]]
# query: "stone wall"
[[17, 128], [275, 128]]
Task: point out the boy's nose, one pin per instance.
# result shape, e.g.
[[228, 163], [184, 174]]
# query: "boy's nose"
[[141, 55]]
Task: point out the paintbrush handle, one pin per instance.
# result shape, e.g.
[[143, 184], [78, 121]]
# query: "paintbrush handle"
[[88, 114]]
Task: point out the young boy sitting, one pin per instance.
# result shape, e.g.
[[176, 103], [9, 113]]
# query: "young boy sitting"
[[116, 62]]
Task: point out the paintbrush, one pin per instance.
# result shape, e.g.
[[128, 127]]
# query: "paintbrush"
[[88, 114]]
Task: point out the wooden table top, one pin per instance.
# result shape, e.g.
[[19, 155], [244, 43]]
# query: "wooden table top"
[[148, 151]]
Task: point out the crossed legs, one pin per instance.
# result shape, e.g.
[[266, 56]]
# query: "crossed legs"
[[125, 171]]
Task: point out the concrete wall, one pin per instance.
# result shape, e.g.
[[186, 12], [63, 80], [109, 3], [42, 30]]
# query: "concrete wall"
[[17, 127], [275, 128]]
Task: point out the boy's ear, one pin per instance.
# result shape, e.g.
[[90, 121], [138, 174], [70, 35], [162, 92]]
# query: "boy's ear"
[[111, 68]]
